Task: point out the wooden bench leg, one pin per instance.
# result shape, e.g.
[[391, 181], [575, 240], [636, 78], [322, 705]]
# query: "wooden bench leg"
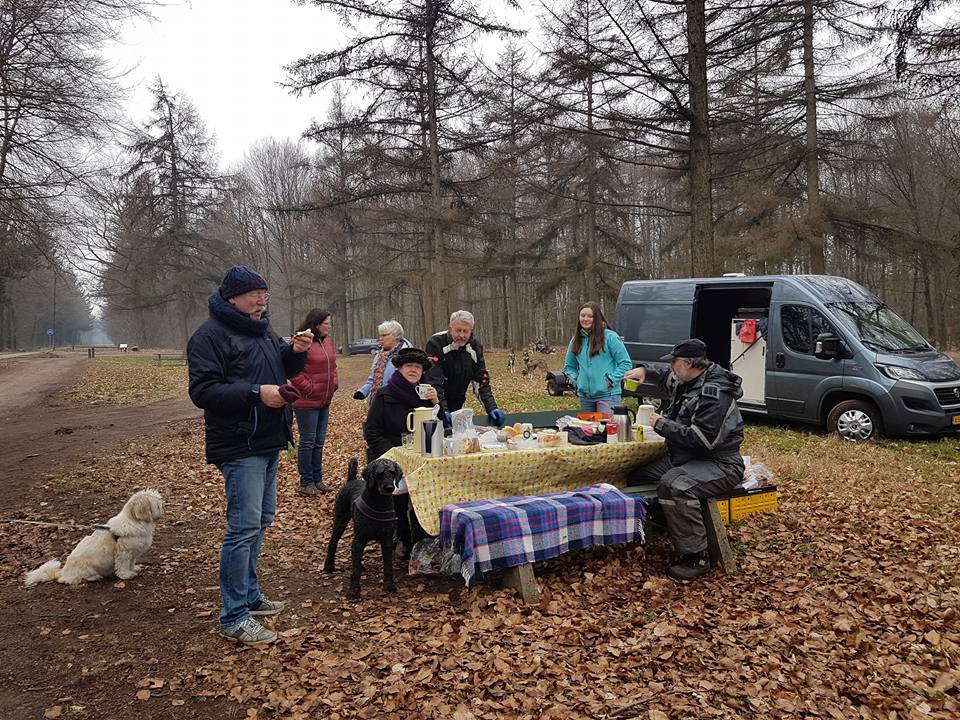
[[717, 542], [521, 579]]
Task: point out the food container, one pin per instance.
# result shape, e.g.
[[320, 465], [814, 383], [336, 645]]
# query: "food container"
[[612, 429], [594, 416], [549, 439], [450, 446]]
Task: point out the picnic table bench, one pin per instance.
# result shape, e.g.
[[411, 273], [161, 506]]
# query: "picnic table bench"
[[171, 358]]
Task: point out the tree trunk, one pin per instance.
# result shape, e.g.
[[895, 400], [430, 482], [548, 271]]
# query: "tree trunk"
[[439, 307], [818, 260], [703, 257]]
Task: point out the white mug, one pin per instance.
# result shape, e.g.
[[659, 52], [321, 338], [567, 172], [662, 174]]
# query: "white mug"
[[423, 389], [643, 414]]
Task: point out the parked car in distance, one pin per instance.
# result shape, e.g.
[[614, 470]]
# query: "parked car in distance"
[[558, 383], [363, 346]]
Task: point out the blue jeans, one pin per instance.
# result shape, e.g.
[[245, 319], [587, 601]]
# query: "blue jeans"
[[600, 404], [250, 484], [312, 425]]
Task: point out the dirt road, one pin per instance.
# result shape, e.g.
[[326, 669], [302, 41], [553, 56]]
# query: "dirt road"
[[36, 434]]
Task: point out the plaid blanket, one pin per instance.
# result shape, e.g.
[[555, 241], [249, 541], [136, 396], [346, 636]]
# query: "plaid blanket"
[[499, 534]]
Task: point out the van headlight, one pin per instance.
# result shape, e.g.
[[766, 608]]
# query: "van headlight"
[[897, 372]]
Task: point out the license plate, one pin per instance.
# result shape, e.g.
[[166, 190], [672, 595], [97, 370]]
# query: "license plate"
[[956, 419]]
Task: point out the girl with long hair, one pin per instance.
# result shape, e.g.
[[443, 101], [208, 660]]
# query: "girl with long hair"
[[596, 360]]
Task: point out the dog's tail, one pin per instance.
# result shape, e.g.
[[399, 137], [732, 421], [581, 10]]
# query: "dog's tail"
[[352, 469], [48, 572]]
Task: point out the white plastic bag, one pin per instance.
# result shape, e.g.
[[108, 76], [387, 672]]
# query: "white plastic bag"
[[756, 474], [462, 421]]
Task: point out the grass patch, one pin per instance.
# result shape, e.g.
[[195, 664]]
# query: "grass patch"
[[946, 450], [128, 359], [127, 381], [784, 438]]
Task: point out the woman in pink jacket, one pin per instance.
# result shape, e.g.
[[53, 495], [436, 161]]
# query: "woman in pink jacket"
[[316, 385]]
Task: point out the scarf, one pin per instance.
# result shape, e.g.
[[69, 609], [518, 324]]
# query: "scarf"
[[404, 390], [382, 359], [228, 314]]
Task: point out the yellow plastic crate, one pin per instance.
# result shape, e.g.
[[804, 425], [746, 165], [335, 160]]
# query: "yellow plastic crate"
[[737, 506], [724, 507]]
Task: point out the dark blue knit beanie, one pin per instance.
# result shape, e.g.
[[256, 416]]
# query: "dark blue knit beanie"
[[240, 279]]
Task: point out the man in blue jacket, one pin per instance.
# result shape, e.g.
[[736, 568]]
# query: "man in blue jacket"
[[237, 364]]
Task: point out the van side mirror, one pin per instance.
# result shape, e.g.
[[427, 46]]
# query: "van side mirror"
[[828, 346]]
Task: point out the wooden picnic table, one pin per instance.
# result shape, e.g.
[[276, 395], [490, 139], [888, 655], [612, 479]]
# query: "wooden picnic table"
[[436, 482]]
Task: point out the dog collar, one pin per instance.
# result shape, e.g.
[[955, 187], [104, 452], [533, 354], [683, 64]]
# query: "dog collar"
[[380, 515], [102, 526]]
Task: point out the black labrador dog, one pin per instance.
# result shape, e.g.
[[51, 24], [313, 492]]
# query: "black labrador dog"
[[369, 502]]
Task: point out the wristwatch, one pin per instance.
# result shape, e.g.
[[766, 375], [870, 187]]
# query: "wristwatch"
[[255, 393]]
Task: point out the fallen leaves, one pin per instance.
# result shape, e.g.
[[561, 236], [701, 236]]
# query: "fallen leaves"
[[846, 605]]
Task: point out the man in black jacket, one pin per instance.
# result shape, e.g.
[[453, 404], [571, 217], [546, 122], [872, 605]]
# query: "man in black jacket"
[[457, 358], [237, 364], [703, 429]]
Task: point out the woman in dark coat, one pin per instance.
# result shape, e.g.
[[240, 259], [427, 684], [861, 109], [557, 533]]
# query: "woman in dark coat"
[[387, 417], [387, 421]]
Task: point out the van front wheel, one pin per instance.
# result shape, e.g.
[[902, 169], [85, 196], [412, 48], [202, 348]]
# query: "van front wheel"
[[854, 421]]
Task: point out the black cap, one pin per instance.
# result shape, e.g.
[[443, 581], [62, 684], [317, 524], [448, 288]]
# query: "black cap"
[[692, 348], [411, 355]]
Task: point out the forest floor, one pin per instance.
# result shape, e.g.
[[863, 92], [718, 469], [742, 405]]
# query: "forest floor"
[[846, 605]]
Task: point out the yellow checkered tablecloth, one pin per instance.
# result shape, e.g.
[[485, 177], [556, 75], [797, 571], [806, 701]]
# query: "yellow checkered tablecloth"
[[436, 482]]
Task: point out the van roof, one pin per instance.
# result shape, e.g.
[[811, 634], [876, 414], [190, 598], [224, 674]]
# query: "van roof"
[[829, 288]]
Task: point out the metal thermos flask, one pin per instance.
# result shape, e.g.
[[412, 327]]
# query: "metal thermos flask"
[[621, 413]]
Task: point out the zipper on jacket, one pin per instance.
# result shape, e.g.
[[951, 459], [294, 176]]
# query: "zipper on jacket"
[[329, 398], [256, 419]]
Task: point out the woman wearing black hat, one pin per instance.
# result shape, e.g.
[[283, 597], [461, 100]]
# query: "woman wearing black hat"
[[387, 417], [387, 421]]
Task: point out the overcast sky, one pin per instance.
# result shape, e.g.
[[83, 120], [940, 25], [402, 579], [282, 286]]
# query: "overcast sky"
[[227, 57]]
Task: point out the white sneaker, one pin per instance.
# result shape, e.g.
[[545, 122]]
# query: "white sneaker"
[[249, 632], [267, 607]]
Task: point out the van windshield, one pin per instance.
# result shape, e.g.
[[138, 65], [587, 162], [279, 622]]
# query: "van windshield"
[[879, 327]]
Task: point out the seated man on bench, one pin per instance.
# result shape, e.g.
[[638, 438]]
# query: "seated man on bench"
[[703, 430]]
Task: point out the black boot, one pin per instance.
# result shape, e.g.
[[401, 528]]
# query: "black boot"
[[691, 566]]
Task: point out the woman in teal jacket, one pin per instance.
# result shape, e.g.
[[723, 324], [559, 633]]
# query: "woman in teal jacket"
[[596, 360]]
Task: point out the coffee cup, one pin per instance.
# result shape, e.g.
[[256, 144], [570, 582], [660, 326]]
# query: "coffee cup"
[[643, 414], [423, 389]]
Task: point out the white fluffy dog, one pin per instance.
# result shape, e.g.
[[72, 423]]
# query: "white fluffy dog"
[[111, 549]]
